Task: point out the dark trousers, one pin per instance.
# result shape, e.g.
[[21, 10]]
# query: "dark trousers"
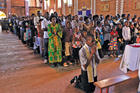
[[119, 48], [45, 48], [125, 43], [105, 46], [11, 29], [101, 54], [76, 53], [87, 87]]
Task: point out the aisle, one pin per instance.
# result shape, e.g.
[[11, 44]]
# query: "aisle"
[[23, 72]]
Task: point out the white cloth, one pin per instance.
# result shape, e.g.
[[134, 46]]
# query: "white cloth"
[[36, 20], [44, 24], [126, 33], [36, 43], [139, 79], [0, 28], [40, 41], [74, 24], [130, 59], [63, 23]]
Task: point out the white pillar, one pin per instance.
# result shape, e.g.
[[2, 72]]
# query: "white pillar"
[[8, 5], [91, 6], [75, 7], [55, 6], [117, 6], [64, 12], [94, 7], [27, 7], [122, 5]]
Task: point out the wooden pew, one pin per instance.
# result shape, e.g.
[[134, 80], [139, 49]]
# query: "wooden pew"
[[106, 83], [133, 74]]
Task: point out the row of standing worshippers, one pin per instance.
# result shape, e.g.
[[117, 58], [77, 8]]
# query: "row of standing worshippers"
[[59, 38]]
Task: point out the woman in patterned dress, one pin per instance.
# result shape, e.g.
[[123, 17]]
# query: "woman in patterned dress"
[[55, 44], [113, 46]]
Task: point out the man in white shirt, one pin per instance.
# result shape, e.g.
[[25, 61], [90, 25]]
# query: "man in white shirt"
[[75, 22], [44, 27], [81, 23], [126, 33], [37, 18]]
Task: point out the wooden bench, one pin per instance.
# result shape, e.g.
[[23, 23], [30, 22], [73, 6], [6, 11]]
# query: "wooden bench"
[[133, 74], [106, 83]]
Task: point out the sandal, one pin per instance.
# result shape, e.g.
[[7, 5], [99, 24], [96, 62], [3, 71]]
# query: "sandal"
[[70, 62], [65, 64]]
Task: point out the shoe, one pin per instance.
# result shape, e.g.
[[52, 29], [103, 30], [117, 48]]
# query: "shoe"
[[73, 80], [65, 64], [53, 66], [111, 56], [119, 56], [45, 61], [70, 63], [58, 65]]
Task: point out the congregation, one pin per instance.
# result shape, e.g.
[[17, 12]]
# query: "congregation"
[[66, 40]]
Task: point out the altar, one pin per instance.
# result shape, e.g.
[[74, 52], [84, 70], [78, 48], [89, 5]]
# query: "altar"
[[131, 58]]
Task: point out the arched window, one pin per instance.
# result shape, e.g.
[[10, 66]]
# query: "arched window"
[[69, 2], [59, 3]]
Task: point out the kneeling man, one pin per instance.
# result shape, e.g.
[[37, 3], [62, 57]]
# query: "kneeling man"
[[88, 59]]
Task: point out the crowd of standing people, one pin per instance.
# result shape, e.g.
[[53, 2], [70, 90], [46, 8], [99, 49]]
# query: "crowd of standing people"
[[58, 39]]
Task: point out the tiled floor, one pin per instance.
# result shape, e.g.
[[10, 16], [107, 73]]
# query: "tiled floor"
[[23, 72]]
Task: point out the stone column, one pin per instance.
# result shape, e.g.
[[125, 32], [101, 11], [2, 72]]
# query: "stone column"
[[64, 10], [122, 6], [26, 7], [55, 5], [75, 7], [91, 6], [8, 5], [117, 6]]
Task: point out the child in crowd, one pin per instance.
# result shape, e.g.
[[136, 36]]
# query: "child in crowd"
[[87, 26], [97, 40], [84, 35], [68, 40], [36, 45], [100, 31], [76, 44], [120, 39], [28, 34], [113, 44], [132, 30], [40, 36], [138, 38]]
